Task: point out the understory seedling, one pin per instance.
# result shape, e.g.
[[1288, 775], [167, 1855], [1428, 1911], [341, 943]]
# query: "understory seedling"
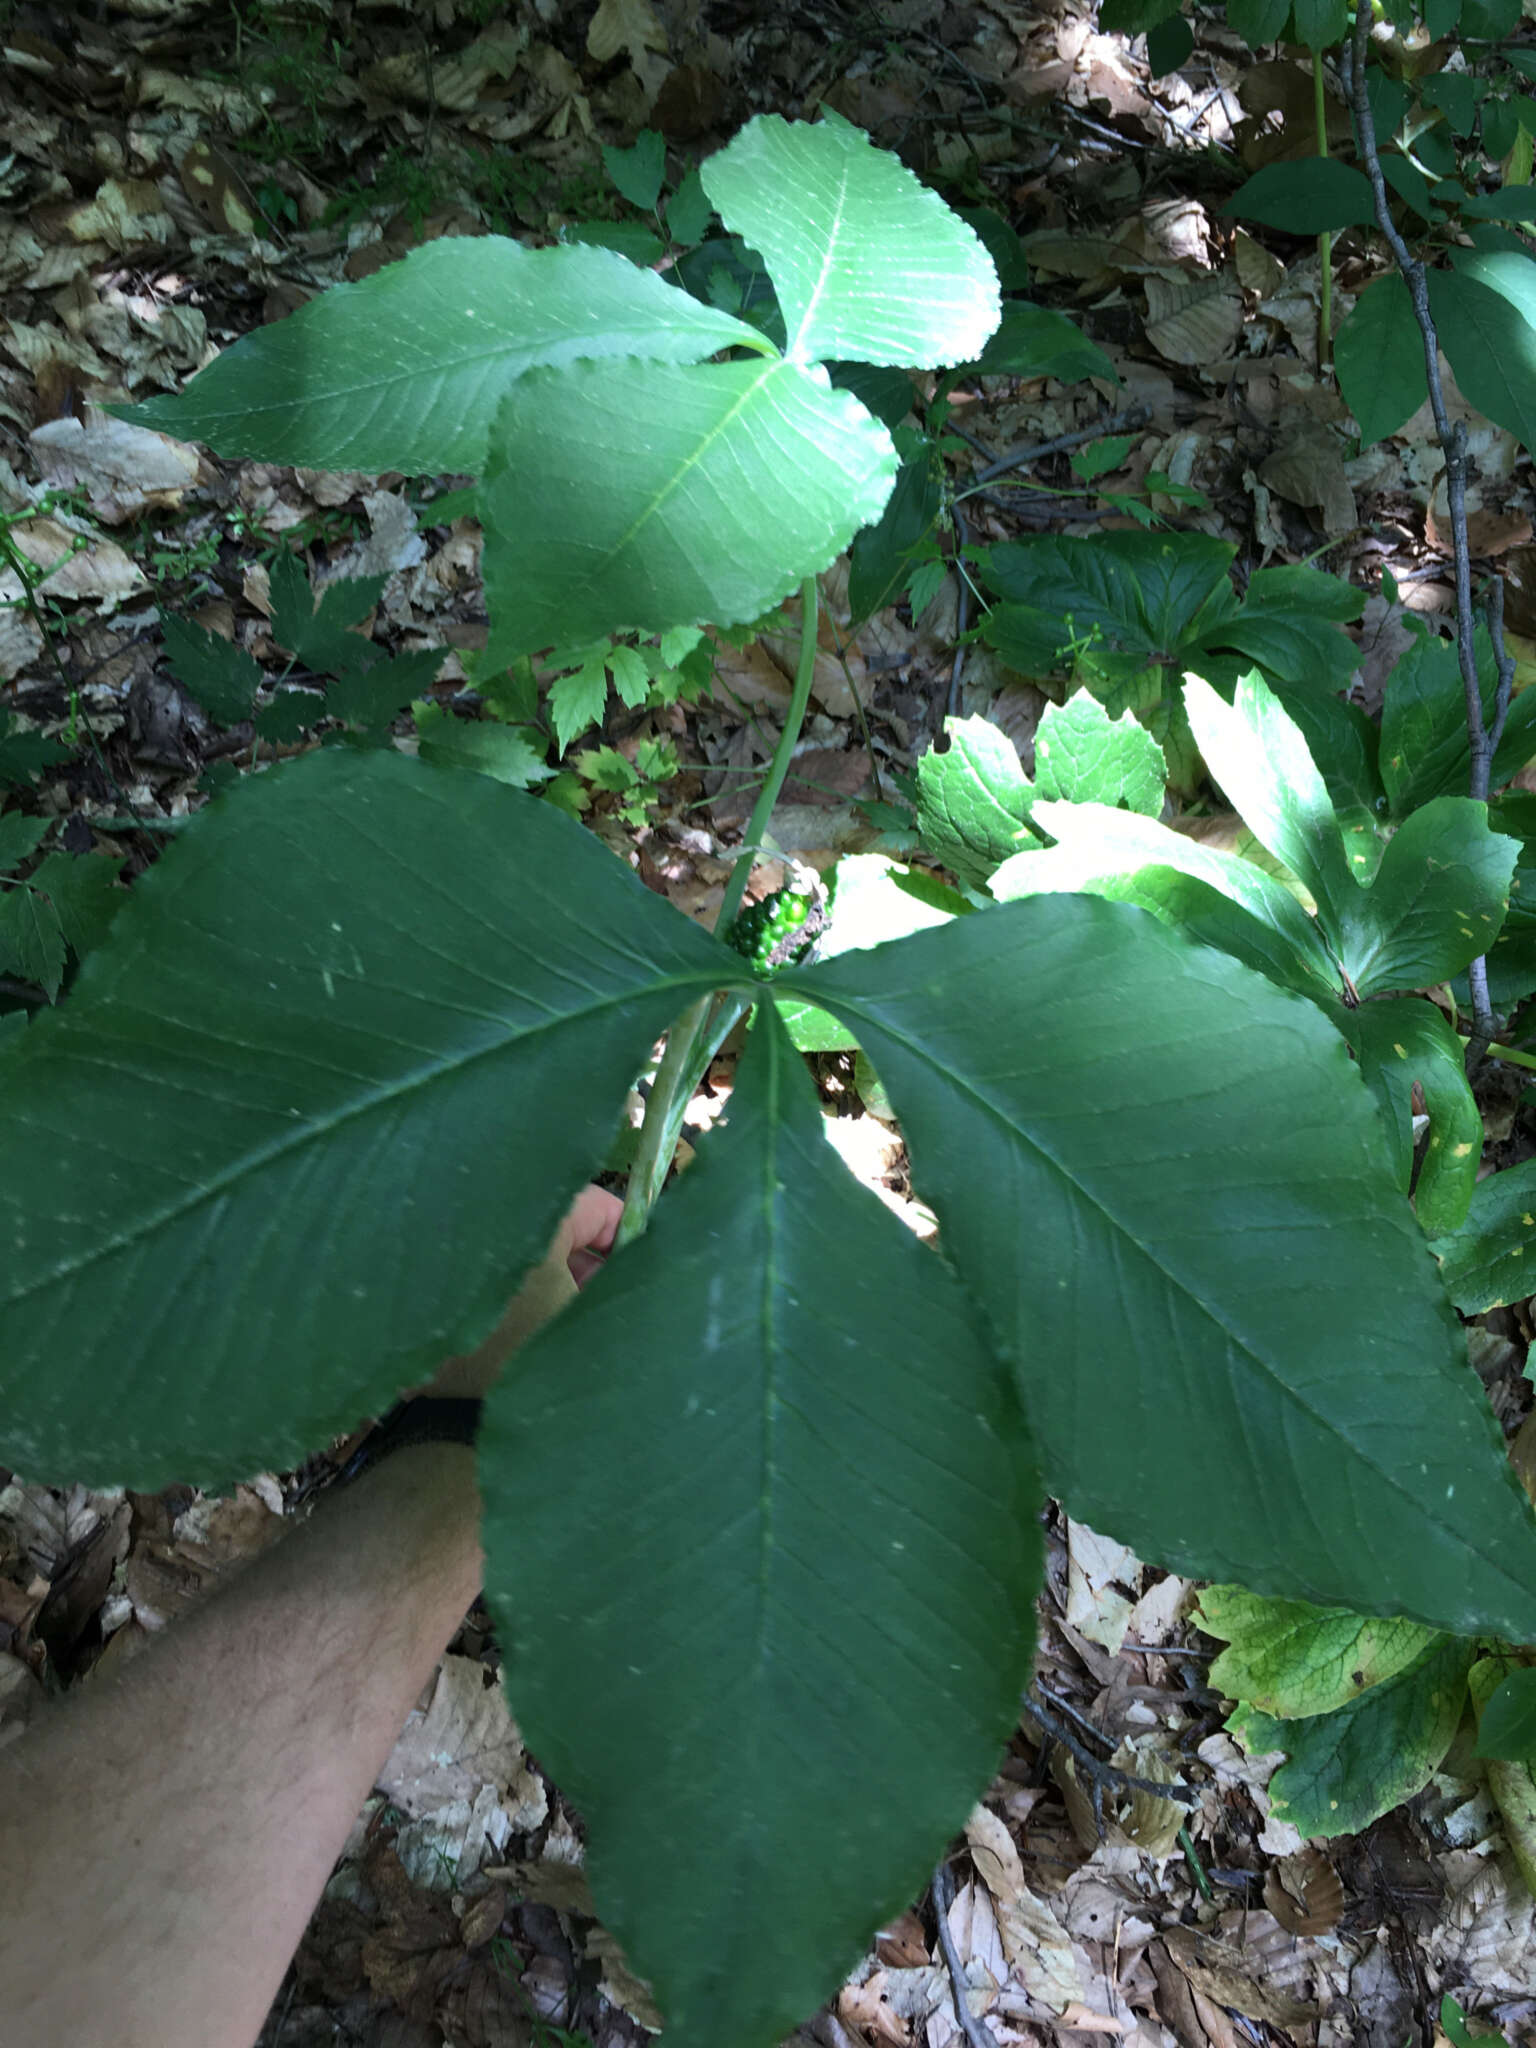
[[1358, 907], [323, 1093], [1453, 121]]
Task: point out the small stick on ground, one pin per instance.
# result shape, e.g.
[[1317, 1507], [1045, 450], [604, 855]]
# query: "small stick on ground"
[[976, 2031]]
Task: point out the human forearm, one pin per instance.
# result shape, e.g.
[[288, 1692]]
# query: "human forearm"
[[187, 1814]]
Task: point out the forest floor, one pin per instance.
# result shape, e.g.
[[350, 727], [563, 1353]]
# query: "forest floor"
[[184, 172]]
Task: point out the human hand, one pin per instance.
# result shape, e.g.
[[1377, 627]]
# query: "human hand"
[[581, 1244]]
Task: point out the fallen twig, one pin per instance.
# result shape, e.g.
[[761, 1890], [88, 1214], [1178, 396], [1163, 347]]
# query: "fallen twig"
[[975, 2029]]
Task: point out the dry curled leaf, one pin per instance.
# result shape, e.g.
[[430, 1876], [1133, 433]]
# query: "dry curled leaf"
[[1304, 1893]]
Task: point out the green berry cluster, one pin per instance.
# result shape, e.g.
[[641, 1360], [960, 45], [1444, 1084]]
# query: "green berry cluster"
[[777, 930]]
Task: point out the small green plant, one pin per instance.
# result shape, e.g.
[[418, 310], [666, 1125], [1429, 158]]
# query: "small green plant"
[[292, 68], [364, 694], [1128, 614], [1451, 123], [62, 905], [1398, 894], [367, 993]]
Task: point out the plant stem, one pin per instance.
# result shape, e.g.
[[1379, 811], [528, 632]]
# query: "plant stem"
[[1324, 304], [699, 1033], [1480, 739], [1513, 1055], [1325, 239], [768, 795], [1196, 1867]]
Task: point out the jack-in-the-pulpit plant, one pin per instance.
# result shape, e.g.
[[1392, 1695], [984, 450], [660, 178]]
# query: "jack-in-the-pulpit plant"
[[760, 1507]]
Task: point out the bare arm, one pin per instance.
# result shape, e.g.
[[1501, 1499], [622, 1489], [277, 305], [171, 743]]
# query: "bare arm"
[[166, 1834], [164, 1837]]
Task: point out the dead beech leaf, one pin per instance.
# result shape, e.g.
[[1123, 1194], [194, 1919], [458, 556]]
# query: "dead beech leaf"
[[1304, 1893], [1093, 260], [124, 470], [1308, 468], [825, 775], [1081, 2019], [99, 569], [628, 25], [1257, 271], [1096, 1565], [464, 1738], [867, 2007], [213, 183], [164, 1575], [618, 1983], [550, 1882], [1489, 530], [1152, 1824], [126, 213], [902, 1943], [1038, 1949], [1222, 1973], [1192, 320]]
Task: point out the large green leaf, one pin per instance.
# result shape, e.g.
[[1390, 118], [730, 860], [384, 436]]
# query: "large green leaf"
[[973, 798], [1312, 196], [1436, 903], [1344, 1770], [1344, 743], [867, 262], [1141, 594], [222, 677], [1424, 751], [1258, 21], [1255, 750], [1512, 963], [1379, 357], [1290, 623], [1293, 1660], [1037, 341], [1491, 1258], [1320, 23], [1407, 1042], [649, 495], [1082, 755], [1506, 1727], [1491, 346], [314, 1104], [787, 1568], [1220, 898], [405, 370], [881, 561], [1234, 1350]]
